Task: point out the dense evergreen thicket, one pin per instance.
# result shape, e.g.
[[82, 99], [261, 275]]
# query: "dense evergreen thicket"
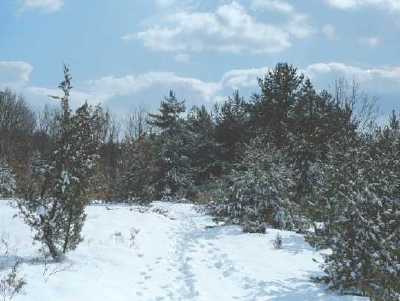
[[290, 157]]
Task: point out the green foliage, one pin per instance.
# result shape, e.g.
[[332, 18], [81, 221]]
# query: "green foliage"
[[139, 180], [205, 152], [260, 190], [361, 224], [174, 178], [292, 157], [54, 203]]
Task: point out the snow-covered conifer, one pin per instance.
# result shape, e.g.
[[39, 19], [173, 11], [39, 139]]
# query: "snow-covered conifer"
[[55, 207], [360, 201], [260, 191]]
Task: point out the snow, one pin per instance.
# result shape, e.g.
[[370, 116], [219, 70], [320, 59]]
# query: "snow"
[[167, 252]]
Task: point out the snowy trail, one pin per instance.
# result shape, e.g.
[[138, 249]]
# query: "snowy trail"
[[177, 254]]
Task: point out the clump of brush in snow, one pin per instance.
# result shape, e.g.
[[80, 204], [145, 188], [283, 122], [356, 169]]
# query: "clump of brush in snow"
[[133, 232], [277, 243], [11, 283]]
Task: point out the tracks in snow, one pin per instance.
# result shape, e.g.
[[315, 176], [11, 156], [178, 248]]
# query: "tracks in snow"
[[201, 264]]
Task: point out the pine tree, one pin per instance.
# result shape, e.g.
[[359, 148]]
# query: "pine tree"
[[232, 128], [205, 152], [280, 89], [260, 190], [173, 159], [139, 179], [362, 217], [56, 208]]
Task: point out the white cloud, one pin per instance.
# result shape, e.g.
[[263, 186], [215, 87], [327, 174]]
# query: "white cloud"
[[39, 96], [363, 74], [392, 5], [121, 93], [329, 31], [49, 6], [375, 80], [148, 88], [109, 87], [182, 58], [242, 78], [230, 28], [371, 41], [14, 73], [273, 5]]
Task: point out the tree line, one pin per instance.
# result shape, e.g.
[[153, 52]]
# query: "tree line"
[[290, 157]]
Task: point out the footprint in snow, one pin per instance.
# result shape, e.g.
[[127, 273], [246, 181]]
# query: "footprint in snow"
[[218, 265], [262, 284], [247, 286], [228, 272]]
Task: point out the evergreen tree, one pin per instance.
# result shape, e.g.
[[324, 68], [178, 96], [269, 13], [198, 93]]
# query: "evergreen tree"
[[56, 208], [232, 128], [139, 179], [315, 122], [280, 89], [205, 152], [173, 154], [362, 225], [260, 190]]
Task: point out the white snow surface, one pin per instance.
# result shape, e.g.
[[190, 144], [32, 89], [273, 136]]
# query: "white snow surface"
[[175, 255]]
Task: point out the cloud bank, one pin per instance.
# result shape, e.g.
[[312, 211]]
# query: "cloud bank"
[[230, 28]]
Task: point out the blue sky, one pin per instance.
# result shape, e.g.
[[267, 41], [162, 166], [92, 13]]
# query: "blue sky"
[[127, 53]]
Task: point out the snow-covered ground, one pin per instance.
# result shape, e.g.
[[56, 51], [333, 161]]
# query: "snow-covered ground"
[[167, 252]]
